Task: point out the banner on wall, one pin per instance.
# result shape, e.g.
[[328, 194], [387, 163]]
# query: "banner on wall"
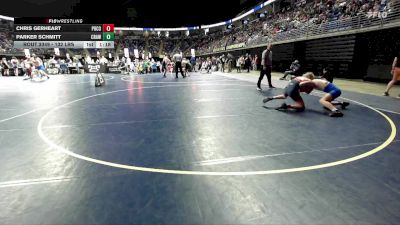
[[218, 49], [239, 45]]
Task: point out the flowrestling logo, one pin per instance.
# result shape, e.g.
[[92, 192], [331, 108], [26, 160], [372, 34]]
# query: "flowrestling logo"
[[380, 15], [67, 21]]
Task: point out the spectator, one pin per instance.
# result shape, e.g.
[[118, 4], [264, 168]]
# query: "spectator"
[[293, 70], [6, 67]]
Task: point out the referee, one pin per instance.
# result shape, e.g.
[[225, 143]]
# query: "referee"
[[266, 63], [178, 64]]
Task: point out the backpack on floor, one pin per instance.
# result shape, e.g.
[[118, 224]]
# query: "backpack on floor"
[[99, 80]]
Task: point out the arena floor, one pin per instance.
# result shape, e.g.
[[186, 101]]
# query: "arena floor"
[[200, 150]]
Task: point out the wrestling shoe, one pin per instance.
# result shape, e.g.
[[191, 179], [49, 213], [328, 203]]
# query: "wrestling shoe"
[[283, 106], [344, 105], [265, 100], [336, 113]]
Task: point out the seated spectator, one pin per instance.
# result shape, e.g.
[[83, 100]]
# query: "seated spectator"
[[294, 70]]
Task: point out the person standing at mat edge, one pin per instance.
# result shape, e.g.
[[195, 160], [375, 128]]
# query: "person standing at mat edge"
[[266, 64], [178, 64], [395, 75]]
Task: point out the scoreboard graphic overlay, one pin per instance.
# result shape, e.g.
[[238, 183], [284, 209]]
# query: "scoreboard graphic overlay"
[[61, 33]]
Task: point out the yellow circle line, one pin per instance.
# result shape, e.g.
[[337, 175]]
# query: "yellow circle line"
[[189, 172]]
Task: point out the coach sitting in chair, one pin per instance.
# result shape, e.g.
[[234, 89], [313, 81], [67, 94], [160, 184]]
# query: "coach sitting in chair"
[[294, 70]]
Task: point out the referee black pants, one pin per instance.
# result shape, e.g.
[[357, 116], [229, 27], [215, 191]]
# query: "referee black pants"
[[178, 65], [263, 72]]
